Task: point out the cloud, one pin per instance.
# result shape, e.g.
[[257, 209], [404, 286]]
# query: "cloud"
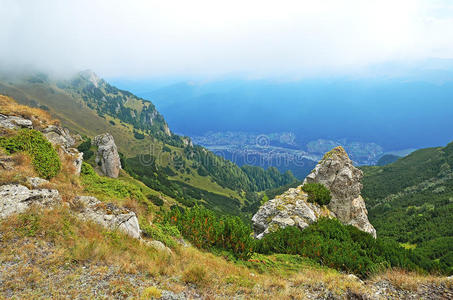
[[209, 37]]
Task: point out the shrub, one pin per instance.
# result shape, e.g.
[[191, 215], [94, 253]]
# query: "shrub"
[[156, 200], [204, 229], [341, 247], [45, 159], [138, 135], [85, 145], [317, 193], [160, 232]]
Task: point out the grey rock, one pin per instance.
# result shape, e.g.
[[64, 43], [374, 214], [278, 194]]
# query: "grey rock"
[[159, 246], [14, 122], [288, 209], [76, 157], [337, 172], [107, 156], [16, 198], [36, 181], [58, 135], [169, 295], [7, 162], [108, 215]]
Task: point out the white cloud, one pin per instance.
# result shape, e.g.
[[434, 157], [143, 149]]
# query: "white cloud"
[[209, 37]]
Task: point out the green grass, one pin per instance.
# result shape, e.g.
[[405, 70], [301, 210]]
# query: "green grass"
[[45, 159], [106, 188]]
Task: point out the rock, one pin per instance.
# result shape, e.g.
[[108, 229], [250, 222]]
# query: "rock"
[[58, 135], [108, 215], [76, 157], [352, 277], [288, 209], [107, 156], [7, 163], [338, 174], [36, 181], [159, 246], [16, 198], [167, 130], [14, 122]]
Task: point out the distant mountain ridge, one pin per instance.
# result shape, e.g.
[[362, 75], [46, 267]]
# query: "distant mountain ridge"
[[393, 113]]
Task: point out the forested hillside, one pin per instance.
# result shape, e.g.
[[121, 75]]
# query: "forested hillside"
[[164, 161], [411, 201]]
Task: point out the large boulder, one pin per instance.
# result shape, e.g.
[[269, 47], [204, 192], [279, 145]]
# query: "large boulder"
[[292, 208], [16, 198], [108, 215], [337, 172], [107, 156]]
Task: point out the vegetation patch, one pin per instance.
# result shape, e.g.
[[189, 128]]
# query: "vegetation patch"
[[326, 242], [45, 159], [109, 188], [317, 193]]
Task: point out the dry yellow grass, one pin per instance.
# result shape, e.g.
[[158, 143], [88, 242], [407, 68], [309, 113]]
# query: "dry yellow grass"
[[22, 168], [39, 117], [410, 280]]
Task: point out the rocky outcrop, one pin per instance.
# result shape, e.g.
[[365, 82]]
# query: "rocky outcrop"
[[14, 122], [16, 198], [107, 156], [108, 215], [58, 135], [338, 174], [288, 209]]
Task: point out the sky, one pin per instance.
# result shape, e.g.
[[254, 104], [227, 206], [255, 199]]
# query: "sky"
[[255, 38]]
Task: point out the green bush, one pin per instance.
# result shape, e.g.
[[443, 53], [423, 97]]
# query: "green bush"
[[156, 200], [327, 242], [204, 229], [165, 233], [317, 193], [344, 248], [45, 159]]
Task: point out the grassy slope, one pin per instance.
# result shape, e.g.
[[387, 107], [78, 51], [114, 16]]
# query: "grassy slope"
[[411, 201], [75, 115]]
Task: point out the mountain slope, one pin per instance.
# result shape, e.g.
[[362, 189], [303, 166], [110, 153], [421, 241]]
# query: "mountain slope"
[[411, 201], [166, 162]]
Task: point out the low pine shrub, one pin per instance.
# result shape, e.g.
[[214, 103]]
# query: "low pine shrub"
[[156, 200], [45, 159], [318, 193], [341, 247], [204, 229]]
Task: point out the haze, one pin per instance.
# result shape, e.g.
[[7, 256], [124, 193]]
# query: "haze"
[[138, 39]]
